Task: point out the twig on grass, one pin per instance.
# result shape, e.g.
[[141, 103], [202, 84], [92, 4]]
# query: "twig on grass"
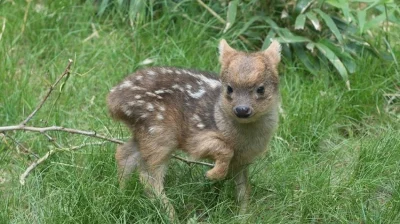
[[43, 130], [60, 129], [65, 73], [211, 11], [48, 154], [187, 161], [34, 165], [24, 148]]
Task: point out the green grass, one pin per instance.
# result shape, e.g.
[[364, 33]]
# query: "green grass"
[[335, 157]]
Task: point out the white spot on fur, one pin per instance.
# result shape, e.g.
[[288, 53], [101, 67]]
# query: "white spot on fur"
[[178, 87], [213, 83], [160, 117], [159, 91], [126, 110], [138, 88], [125, 84], [169, 71], [198, 94], [138, 78], [151, 94], [200, 125], [151, 72], [138, 97], [132, 103], [112, 90], [143, 116], [155, 129], [152, 130], [163, 70], [161, 108], [150, 107], [178, 72], [188, 86], [169, 91], [196, 118], [159, 97], [140, 102]]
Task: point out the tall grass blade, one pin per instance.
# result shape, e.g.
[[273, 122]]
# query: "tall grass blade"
[[103, 6], [231, 15]]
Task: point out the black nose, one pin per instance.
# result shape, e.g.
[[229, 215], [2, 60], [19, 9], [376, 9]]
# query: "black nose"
[[242, 111]]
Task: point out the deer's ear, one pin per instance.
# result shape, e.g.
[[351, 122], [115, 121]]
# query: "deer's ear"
[[273, 52], [225, 51]]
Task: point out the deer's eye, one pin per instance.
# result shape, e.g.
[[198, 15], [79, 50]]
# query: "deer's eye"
[[229, 90], [261, 90]]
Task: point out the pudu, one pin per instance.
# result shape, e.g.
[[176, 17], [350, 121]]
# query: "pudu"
[[229, 120]]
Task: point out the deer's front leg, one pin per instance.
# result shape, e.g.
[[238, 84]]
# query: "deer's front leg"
[[212, 145], [242, 189]]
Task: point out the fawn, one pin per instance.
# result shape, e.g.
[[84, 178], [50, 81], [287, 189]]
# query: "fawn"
[[229, 120]]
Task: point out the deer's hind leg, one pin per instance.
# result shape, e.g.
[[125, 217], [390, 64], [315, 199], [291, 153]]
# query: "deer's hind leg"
[[156, 151], [128, 159]]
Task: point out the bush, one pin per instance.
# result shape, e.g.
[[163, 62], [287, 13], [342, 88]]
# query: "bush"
[[318, 34]]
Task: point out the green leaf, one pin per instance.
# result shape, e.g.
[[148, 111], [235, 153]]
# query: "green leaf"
[[341, 52], [311, 63], [332, 26], [285, 36], [300, 22], [231, 15], [336, 62], [334, 3], [267, 40], [375, 22], [272, 23], [314, 20], [302, 5], [361, 17], [249, 23]]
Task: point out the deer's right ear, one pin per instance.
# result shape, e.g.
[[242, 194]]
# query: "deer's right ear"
[[225, 51]]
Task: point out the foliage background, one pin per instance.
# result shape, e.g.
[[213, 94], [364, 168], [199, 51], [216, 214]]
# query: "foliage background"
[[335, 157]]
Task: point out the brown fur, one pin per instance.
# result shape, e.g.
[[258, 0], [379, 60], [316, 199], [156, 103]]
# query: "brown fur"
[[171, 108]]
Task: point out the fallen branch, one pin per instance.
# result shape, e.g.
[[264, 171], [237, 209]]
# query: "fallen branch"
[[65, 73], [192, 161], [44, 130], [47, 155], [60, 129]]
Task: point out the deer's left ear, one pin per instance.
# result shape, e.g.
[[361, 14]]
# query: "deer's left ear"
[[225, 51], [273, 52]]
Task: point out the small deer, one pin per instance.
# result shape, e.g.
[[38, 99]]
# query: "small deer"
[[228, 120]]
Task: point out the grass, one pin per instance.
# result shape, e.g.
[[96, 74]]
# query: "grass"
[[334, 159]]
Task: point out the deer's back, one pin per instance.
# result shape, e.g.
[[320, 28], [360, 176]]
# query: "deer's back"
[[166, 97]]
